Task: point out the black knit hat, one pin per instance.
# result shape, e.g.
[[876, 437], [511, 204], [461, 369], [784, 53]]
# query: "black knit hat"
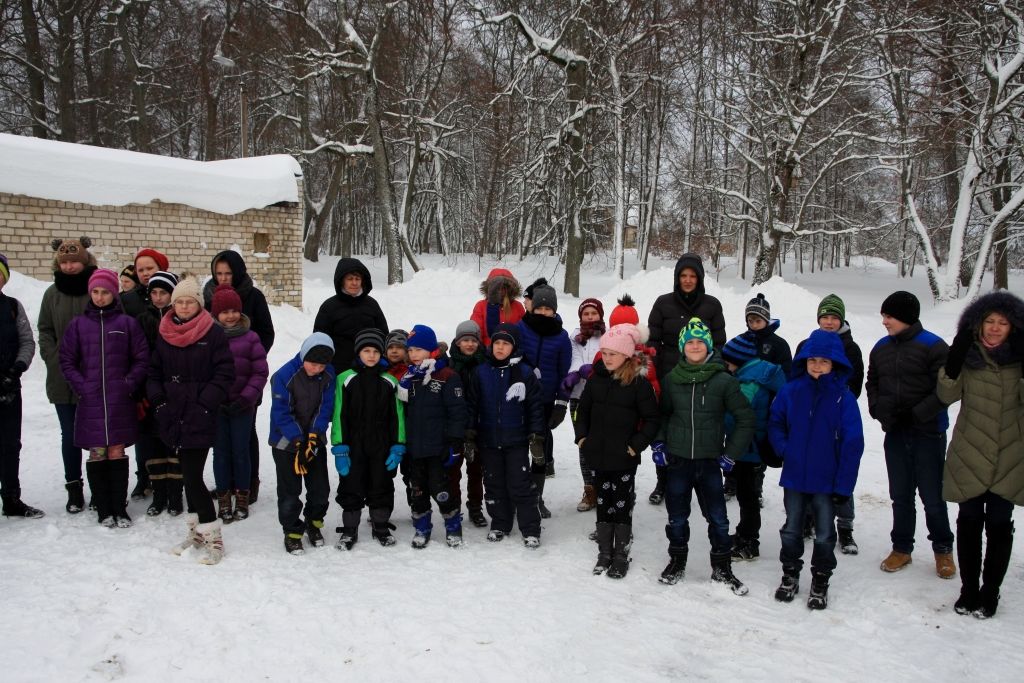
[[759, 306], [903, 306], [508, 333], [371, 336]]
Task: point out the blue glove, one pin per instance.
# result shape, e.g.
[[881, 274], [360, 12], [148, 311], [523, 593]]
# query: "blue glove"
[[454, 453], [726, 463], [414, 372], [342, 462], [658, 454], [395, 456]]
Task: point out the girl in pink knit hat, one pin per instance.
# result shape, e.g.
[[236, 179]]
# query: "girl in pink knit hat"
[[616, 420]]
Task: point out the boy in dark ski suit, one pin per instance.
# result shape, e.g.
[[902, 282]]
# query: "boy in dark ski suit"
[[368, 441], [435, 423]]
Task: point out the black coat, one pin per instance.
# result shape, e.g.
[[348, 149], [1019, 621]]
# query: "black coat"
[[435, 416], [612, 416], [903, 370], [773, 348], [254, 303], [342, 316], [671, 313], [856, 379]]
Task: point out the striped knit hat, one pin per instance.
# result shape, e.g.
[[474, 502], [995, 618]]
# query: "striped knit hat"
[[371, 336], [759, 306], [164, 280], [739, 350], [696, 329]]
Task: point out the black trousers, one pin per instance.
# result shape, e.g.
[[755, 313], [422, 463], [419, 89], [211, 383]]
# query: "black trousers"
[[197, 496], [429, 479], [747, 475], [289, 488], [616, 495], [10, 446], [509, 490], [368, 483]]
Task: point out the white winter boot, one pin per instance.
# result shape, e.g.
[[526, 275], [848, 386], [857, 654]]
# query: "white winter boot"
[[192, 539], [213, 544]]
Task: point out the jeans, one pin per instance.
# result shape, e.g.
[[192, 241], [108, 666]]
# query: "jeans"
[[680, 482], [289, 488], [231, 457], [914, 461], [823, 557], [71, 453]]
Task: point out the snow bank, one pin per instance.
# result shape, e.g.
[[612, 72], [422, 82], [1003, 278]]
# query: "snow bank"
[[95, 175]]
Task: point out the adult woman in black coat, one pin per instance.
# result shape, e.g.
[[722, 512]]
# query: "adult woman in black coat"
[[349, 311]]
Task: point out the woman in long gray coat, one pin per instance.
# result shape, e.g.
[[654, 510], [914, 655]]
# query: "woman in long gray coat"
[[984, 469]]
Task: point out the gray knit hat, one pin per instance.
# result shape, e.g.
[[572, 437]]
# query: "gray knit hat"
[[397, 338], [545, 296], [467, 329], [371, 336]]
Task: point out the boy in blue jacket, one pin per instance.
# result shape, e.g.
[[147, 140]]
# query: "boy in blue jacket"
[[815, 427], [506, 419], [435, 427], [303, 400]]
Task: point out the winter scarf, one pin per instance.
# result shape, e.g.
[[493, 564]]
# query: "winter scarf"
[[587, 330], [185, 333], [73, 285]]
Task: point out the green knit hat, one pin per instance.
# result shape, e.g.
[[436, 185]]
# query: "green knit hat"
[[695, 329], [832, 305]]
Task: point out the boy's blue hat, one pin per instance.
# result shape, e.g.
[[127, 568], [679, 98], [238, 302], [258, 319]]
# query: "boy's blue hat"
[[739, 350], [318, 348], [422, 337], [695, 329]]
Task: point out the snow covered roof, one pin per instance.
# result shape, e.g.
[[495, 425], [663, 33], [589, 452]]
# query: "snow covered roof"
[[95, 175]]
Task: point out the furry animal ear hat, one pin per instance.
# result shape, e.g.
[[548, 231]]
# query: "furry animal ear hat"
[[71, 250]]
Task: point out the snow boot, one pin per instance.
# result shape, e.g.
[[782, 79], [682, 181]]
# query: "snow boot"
[[721, 572], [476, 516], [745, 549], [313, 531], [453, 529], [421, 523], [676, 569], [620, 551], [96, 472], [224, 510], [242, 505], [658, 494], [531, 542], [159, 503], [818, 597], [496, 535], [213, 542], [381, 532], [123, 521], [143, 488], [76, 497], [790, 585], [293, 544], [192, 538], [847, 545], [117, 491], [589, 499], [347, 537], [605, 542], [968, 554], [175, 488], [999, 539], [538, 485]]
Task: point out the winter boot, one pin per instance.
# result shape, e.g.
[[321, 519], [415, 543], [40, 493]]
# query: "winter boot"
[[117, 490], [549, 469], [496, 535], [945, 568], [721, 572], [658, 494], [14, 507], [96, 471], [818, 597], [381, 532], [673, 573], [790, 585], [745, 549], [213, 543], [620, 551], [254, 490], [476, 516], [293, 544], [453, 528], [175, 505], [605, 546], [313, 531], [538, 485], [192, 537], [421, 522], [159, 503], [968, 554], [143, 487], [76, 497], [224, 507], [348, 532], [847, 545], [589, 499], [895, 561], [242, 505], [531, 542], [999, 539]]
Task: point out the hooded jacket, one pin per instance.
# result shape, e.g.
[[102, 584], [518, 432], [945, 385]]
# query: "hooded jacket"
[[489, 312], [254, 303], [986, 451], [613, 417], [672, 311], [284, 426], [760, 381], [435, 416], [773, 348], [815, 425], [856, 379], [343, 316]]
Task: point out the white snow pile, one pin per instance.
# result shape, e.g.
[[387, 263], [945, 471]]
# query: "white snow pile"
[[95, 175], [83, 603]]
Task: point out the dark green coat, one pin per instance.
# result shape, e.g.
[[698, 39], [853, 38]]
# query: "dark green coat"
[[694, 401], [61, 302]]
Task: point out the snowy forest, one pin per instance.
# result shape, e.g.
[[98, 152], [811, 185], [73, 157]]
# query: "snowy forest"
[[812, 130]]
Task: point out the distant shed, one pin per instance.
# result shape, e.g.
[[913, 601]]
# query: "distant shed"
[[124, 201]]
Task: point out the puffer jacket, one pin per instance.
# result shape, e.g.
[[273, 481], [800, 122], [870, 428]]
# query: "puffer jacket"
[[368, 415], [902, 372], [672, 311], [490, 312], [856, 378], [773, 348], [613, 417], [815, 425], [62, 301], [342, 316], [546, 347], [502, 413], [760, 381], [694, 402], [986, 451], [188, 380], [284, 427], [251, 369], [104, 356], [435, 416], [254, 303]]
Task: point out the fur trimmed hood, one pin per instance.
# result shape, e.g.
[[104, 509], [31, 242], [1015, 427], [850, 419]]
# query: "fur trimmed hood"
[[1000, 301], [500, 276]]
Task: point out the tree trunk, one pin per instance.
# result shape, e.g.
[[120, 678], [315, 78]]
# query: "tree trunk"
[[35, 72]]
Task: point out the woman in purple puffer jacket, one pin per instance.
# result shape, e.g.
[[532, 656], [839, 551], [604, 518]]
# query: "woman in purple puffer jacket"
[[231, 459], [190, 374], [103, 356]]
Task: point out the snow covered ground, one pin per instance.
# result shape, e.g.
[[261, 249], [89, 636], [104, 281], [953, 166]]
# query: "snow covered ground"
[[81, 602]]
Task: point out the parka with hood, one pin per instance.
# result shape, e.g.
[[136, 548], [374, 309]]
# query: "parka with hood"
[[493, 310], [254, 303], [986, 451], [671, 312], [342, 316]]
